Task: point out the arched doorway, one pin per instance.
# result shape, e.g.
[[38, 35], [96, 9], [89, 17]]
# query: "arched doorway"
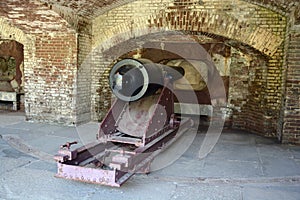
[[11, 79]]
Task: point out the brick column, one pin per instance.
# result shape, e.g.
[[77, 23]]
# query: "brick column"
[[291, 118]]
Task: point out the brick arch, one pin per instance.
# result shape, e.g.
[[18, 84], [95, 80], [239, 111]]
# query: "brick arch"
[[123, 32], [12, 33], [219, 24], [15, 48], [22, 40], [9, 32], [223, 25]]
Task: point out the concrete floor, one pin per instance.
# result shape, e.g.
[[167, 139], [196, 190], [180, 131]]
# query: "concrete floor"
[[240, 166]]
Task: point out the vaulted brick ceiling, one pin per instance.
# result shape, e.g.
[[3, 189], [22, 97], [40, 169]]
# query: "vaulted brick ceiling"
[[92, 8], [86, 8], [28, 13]]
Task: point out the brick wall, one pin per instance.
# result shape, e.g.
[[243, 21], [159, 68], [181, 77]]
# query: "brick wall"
[[50, 59], [247, 83], [50, 81]]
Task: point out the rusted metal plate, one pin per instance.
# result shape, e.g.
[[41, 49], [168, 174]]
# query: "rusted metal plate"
[[136, 116], [163, 110], [89, 175], [126, 140], [108, 125]]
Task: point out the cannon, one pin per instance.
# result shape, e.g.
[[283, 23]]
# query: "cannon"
[[140, 124], [131, 79]]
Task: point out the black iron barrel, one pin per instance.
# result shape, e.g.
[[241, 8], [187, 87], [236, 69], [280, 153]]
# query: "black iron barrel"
[[131, 79]]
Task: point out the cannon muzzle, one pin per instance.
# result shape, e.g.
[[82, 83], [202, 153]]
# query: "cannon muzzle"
[[131, 80]]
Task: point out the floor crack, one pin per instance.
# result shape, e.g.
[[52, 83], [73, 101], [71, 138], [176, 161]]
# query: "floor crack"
[[260, 161]]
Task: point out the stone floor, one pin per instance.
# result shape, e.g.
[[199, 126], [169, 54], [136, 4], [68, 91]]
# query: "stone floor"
[[240, 166]]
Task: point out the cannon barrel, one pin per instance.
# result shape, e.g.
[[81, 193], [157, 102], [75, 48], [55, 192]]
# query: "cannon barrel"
[[131, 79]]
